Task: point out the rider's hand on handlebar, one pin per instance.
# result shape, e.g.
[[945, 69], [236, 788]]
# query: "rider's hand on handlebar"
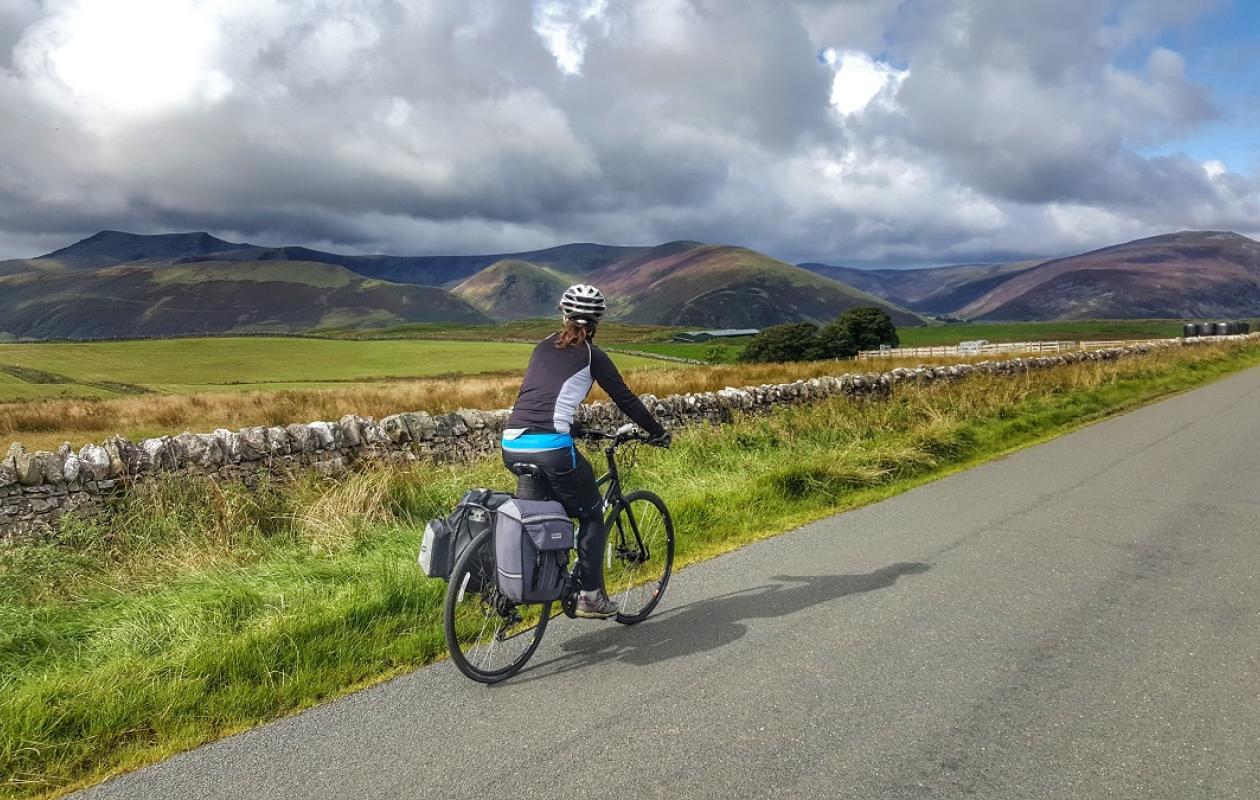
[[663, 440]]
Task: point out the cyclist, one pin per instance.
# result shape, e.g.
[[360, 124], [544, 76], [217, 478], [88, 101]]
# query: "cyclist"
[[540, 430]]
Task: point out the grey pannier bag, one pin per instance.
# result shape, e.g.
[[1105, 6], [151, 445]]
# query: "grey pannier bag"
[[532, 539], [446, 538]]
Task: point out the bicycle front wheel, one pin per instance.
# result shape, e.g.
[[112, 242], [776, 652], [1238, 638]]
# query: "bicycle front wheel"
[[640, 555], [489, 637]]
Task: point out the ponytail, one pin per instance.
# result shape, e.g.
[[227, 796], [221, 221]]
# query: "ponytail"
[[575, 334]]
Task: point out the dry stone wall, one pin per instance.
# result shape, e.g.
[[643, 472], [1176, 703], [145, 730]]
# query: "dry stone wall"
[[37, 488]]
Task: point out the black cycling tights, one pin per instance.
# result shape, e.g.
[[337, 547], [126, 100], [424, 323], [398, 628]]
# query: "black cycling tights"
[[572, 483]]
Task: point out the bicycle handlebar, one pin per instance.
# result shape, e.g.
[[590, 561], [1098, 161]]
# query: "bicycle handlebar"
[[617, 437]]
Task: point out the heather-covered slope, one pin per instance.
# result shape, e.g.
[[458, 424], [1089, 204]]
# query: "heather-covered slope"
[[1177, 275], [939, 290], [1187, 274], [218, 286], [683, 283], [213, 297], [447, 271], [512, 289]]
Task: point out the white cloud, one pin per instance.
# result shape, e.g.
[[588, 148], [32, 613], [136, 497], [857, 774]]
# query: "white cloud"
[[860, 79], [1214, 168], [561, 25], [126, 56]]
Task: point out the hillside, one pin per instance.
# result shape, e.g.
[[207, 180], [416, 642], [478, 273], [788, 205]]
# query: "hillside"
[[682, 283], [18, 266], [1179, 275], [511, 289], [938, 290], [444, 271], [212, 297], [1187, 274], [121, 284], [110, 248], [116, 284]]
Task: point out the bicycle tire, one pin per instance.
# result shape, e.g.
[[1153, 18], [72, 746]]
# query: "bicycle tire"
[[463, 608], [638, 590]]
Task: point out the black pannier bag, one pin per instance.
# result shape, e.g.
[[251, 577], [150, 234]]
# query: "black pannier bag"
[[532, 539], [445, 538]]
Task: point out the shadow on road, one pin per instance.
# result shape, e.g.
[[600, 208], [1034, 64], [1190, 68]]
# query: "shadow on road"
[[714, 622]]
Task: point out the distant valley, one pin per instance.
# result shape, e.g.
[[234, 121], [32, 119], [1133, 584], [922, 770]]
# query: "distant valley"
[[117, 284]]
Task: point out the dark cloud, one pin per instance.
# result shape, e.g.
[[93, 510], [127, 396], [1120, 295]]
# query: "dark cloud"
[[961, 129]]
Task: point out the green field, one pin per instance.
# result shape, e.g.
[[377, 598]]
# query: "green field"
[[352, 358], [716, 352], [185, 366], [12, 388], [727, 352], [525, 329]]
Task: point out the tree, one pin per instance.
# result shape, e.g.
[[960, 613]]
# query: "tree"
[[835, 341], [869, 327], [794, 341]]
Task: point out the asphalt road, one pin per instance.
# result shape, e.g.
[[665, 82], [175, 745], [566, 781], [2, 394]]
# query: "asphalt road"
[[1079, 620]]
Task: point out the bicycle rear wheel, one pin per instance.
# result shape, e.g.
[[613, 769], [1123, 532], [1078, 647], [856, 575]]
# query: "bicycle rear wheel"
[[489, 637], [640, 555]]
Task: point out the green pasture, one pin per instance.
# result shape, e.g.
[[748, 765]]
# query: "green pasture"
[[346, 358], [725, 351], [12, 388], [182, 366], [524, 329], [728, 351]]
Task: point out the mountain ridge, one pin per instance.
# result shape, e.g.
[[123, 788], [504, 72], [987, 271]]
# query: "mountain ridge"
[[80, 290], [83, 290], [1184, 274]]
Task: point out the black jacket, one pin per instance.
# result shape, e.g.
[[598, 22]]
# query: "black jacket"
[[558, 380]]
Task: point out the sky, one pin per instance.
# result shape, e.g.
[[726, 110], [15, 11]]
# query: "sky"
[[864, 132]]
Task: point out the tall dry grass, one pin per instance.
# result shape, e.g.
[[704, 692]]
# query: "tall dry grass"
[[45, 424]]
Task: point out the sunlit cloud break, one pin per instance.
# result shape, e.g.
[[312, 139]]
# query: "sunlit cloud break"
[[560, 24]]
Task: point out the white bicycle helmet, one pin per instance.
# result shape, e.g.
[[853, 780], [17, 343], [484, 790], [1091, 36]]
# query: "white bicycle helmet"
[[583, 303]]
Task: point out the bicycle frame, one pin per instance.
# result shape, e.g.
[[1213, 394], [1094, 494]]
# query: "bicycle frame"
[[612, 477], [612, 498]]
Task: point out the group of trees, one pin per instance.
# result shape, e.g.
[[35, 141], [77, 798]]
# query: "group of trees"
[[856, 329]]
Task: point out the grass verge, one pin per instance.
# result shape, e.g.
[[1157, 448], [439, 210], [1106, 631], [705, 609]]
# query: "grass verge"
[[197, 610]]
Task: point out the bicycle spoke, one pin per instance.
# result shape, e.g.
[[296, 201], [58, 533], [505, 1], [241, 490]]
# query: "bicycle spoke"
[[640, 556], [489, 638]]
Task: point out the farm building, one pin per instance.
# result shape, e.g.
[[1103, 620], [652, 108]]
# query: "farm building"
[[704, 336]]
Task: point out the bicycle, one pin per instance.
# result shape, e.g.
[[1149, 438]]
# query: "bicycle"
[[490, 638]]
